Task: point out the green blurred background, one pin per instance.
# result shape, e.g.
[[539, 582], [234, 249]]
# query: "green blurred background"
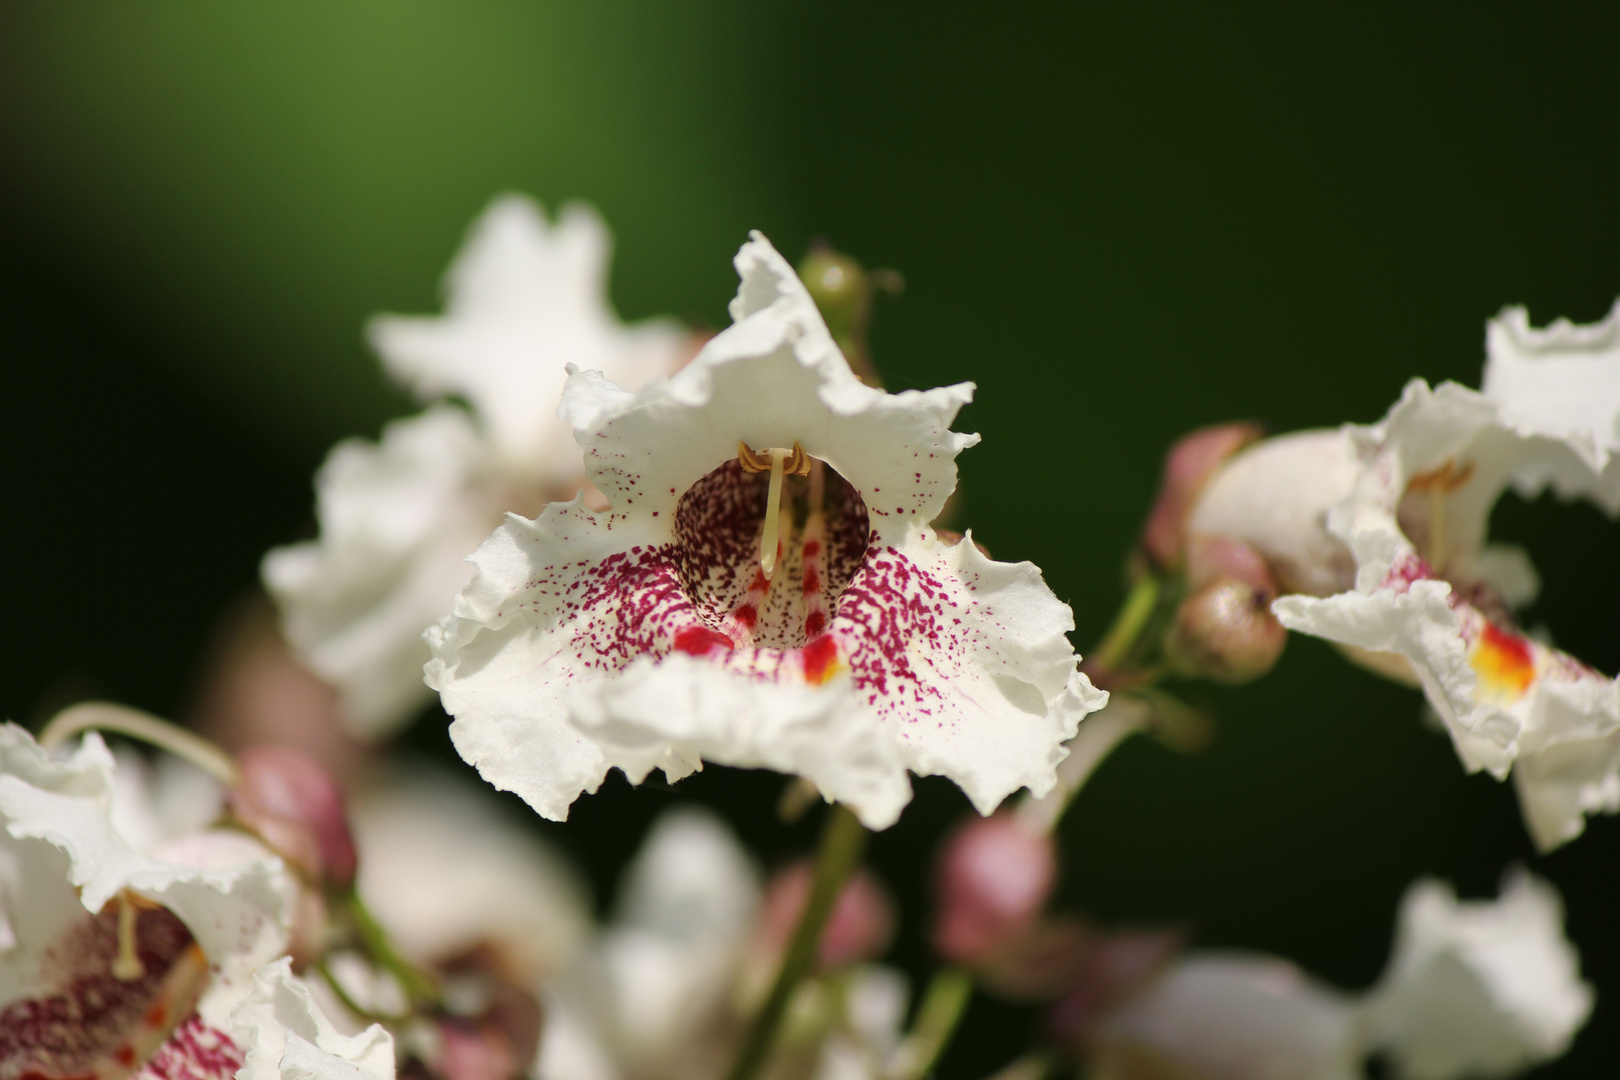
[[1119, 225]]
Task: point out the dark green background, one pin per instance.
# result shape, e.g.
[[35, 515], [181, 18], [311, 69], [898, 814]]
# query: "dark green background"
[[1119, 227]]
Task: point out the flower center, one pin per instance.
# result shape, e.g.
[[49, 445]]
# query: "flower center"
[[766, 544], [119, 984]]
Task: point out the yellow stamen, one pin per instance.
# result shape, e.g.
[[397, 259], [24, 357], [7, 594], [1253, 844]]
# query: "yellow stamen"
[[127, 967]]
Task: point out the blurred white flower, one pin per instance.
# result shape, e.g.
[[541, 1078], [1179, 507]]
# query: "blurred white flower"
[[1232, 1016], [132, 935], [816, 627], [1478, 989], [664, 990], [1429, 587], [446, 872], [398, 517], [1481, 988]]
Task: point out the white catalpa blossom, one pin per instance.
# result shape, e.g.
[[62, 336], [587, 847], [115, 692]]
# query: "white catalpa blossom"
[[766, 591], [1430, 588], [1473, 989], [664, 990], [446, 873], [397, 517], [133, 939]]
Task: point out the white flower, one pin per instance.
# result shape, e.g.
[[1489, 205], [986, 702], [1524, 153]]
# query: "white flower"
[[113, 953], [397, 518], [1429, 588], [445, 872], [664, 990], [289, 1038], [1477, 989], [838, 637], [653, 992], [1234, 1016], [1483, 988]]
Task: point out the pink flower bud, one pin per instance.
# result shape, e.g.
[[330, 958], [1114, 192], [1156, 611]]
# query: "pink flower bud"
[[859, 928], [1192, 461], [296, 807], [993, 877], [1212, 557], [1225, 631], [500, 1044]]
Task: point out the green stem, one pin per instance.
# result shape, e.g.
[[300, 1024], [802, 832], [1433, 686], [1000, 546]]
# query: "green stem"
[[941, 1011], [842, 840], [418, 985], [348, 1001], [1128, 625]]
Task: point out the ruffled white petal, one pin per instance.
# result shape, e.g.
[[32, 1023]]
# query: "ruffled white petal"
[[287, 1037], [1237, 1016], [445, 871], [397, 521], [1484, 988], [581, 645], [1562, 382], [234, 899], [1430, 589], [523, 299], [683, 710]]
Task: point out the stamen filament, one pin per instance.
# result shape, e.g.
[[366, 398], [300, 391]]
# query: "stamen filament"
[[773, 506], [127, 966]]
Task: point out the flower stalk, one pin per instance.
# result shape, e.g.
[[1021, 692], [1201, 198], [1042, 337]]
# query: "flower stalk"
[[843, 838], [943, 1004]]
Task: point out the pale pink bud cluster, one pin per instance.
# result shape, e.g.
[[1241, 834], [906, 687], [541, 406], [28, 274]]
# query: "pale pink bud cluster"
[[993, 879]]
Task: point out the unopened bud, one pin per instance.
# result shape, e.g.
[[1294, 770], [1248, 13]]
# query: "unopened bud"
[[1210, 558], [1225, 632], [1189, 465], [1276, 496], [296, 808], [859, 928], [993, 878]]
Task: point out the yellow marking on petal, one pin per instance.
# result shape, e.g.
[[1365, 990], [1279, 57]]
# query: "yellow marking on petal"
[[127, 966], [1505, 664]]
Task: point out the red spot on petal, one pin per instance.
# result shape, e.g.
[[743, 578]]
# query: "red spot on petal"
[[156, 1015], [812, 548], [820, 660], [814, 624], [748, 615], [125, 1055], [700, 640], [812, 581]]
